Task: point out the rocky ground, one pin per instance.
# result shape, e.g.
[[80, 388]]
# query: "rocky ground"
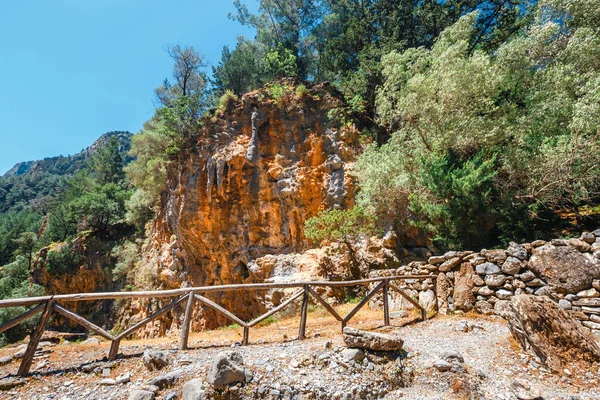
[[458, 357]]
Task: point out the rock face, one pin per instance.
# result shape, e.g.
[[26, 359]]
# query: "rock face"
[[259, 173], [227, 368], [371, 340], [551, 333], [565, 267]]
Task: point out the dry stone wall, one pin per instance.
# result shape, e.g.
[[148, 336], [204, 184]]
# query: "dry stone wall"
[[565, 270]]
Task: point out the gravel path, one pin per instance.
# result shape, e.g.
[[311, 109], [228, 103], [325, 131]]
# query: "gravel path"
[[317, 368]]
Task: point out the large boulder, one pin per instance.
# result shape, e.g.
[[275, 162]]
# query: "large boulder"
[[227, 368], [551, 333], [463, 287], [371, 340], [564, 267]]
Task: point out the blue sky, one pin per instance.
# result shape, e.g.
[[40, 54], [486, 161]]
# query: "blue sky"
[[71, 70]]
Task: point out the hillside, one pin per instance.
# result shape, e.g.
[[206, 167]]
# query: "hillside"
[[30, 185]]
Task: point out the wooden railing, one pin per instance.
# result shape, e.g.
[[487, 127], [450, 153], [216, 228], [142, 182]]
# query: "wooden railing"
[[49, 304]]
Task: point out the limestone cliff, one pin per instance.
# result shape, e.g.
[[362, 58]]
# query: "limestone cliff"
[[258, 173]]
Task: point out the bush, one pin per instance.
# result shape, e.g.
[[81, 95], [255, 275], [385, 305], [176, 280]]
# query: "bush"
[[64, 259], [227, 101], [302, 92]]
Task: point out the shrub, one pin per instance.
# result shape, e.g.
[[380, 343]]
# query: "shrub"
[[65, 258], [227, 101]]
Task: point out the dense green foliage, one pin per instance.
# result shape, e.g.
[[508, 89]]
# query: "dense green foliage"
[[485, 143]]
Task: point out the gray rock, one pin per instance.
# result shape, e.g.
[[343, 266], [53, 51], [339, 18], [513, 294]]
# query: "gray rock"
[[517, 251], [502, 308], [494, 256], [566, 304], [226, 368], [442, 365], [571, 297], [92, 340], [436, 260], [427, 299], [523, 390], [399, 314], [450, 264], [353, 355], [512, 266], [166, 380], [487, 268], [485, 291], [535, 283], [452, 356], [527, 276], [5, 360], [139, 394], [10, 383], [503, 294], [371, 340], [107, 382], [590, 293], [495, 280], [193, 390], [591, 324], [171, 396], [484, 307], [155, 360]]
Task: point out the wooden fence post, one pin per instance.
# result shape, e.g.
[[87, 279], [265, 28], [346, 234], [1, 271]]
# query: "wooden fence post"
[[303, 315], [34, 339], [386, 305], [246, 335], [114, 349], [187, 319]]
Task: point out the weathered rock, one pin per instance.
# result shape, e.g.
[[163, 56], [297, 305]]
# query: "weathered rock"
[[484, 307], [226, 368], [494, 256], [107, 382], [495, 280], [564, 267], [442, 288], [427, 299], [593, 302], [371, 340], [436, 260], [590, 293], [503, 294], [450, 264], [517, 251], [596, 284], [9, 383], [523, 390], [502, 308], [463, 287], [138, 394], [452, 356], [487, 268], [352, 354], [167, 380], [442, 365], [538, 243], [193, 390], [588, 237], [550, 332], [512, 266], [566, 304], [591, 324], [580, 245], [485, 291], [154, 359]]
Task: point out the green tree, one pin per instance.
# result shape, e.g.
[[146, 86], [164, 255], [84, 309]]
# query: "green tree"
[[107, 163], [345, 226], [241, 70], [27, 244]]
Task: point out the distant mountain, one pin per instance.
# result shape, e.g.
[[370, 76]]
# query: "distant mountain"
[[35, 185], [68, 165]]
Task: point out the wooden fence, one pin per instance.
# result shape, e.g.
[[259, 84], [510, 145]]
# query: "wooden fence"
[[50, 304]]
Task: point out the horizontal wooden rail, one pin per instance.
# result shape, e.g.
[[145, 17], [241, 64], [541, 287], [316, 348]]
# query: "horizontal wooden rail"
[[27, 301], [49, 304]]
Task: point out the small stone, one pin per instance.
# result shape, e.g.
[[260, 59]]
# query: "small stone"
[[511, 266], [155, 359], [125, 378], [566, 304], [538, 243], [5, 360], [527, 276], [495, 280], [399, 314], [450, 264], [107, 382], [92, 340], [517, 251], [193, 390], [356, 355], [452, 356], [485, 291], [141, 395], [487, 268], [503, 294], [588, 237], [328, 344], [590, 293], [523, 390], [442, 366], [484, 307], [535, 283], [371, 340], [591, 325], [166, 380], [436, 260]]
